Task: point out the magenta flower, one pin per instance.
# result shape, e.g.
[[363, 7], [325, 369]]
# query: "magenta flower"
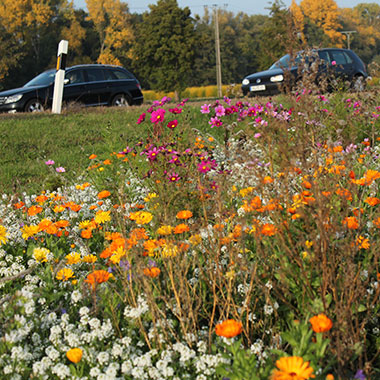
[[141, 118], [175, 110], [206, 165], [227, 100], [220, 111], [172, 124], [158, 116], [205, 108], [257, 135], [49, 162], [152, 154], [173, 177], [60, 169], [215, 122], [333, 63]]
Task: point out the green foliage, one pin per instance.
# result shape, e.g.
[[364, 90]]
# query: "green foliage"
[[165, 46]]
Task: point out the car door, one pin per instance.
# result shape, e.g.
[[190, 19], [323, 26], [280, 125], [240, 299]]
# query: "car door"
[[98, 91], [341, 64], [74, 91]]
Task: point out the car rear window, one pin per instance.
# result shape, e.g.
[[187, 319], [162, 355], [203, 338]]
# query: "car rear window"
[[95, 75], [121, 74], [340, 57]]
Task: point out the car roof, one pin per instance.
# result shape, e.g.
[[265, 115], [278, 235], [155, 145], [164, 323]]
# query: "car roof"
[[93, 65]]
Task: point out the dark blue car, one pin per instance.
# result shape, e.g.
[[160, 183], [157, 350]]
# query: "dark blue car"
[[88, 85], [331, 63]]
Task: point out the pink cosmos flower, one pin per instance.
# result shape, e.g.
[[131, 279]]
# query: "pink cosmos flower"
[[175, 110], [158, 116], [215, 122], [60, 169], [152, 154], [220, 111], [173, 177], [206, 165], [227, 100], [333, 63], [141, 118], [257, 135], [49, 162], [205, 108], [172, 124]]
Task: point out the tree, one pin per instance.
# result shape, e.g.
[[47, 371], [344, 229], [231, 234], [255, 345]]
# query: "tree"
[[324, 14], [33, 25], [165, 45], [112, 22]]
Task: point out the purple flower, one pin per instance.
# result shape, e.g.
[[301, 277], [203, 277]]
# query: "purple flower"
[[49, 162], [205, 108], [60, 169], [152, 154], [227, 100], [360, 375], [175, 110]]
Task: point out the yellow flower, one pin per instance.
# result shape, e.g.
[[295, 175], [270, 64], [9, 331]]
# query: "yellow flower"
[[117, 255], [65, 274], [29, 231], [169, 250], [195, 239], [73, 258], [90, 259], [74, 355], [308, 244], [150, 196], [362, 242], [41, 254], [59, 208], [292, 368], [141, 217], [102, 216], [84, 224], [165, 230], [3, 235]]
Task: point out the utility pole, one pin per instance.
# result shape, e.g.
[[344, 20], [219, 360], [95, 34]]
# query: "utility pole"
[[217, 52], [348, 34]]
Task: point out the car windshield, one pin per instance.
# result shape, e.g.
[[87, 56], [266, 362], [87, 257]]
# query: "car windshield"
[[303, 56], [43, 79]]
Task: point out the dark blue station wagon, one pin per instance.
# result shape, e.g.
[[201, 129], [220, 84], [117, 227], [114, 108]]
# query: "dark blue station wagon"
[[88, 85]]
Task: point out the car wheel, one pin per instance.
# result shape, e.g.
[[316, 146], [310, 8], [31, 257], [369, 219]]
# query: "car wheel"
[[358, 83], [34, 105], [120, 101]]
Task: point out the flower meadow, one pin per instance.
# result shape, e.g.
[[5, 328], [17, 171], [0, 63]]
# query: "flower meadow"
[[245, 249]]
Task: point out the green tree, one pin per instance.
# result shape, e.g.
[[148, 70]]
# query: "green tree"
[[165, 45]]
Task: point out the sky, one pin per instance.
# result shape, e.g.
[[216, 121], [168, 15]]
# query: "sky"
[[250, 7]]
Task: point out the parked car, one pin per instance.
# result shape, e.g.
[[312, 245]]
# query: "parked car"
[[89, 85], [332, 63]]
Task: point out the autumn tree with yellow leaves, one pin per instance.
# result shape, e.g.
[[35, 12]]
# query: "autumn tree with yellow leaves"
[[112, 22], [324, 15]]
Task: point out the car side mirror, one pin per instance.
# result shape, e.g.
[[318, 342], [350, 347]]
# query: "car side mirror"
[[66, 81]]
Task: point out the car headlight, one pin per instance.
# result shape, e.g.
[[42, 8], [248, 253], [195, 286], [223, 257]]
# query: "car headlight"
[[245, 81], [277, 78], [13, 98]]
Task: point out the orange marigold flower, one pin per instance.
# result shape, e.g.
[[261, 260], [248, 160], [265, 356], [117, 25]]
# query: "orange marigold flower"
[[292, 368], [268, 229], [320, 323], [107, 162], [268, 179], [351, 222], [41, 199], [369, 177], [97, 277], [19, 205], [92, 156], [34, 210], [62, 223], [376, 222], [372, 201], [86, 234], [229, 328], [344, 193], [152, 272], [330, 376], [74, 355], [181, 228], [184, 214], [362, 242], [104, 194]]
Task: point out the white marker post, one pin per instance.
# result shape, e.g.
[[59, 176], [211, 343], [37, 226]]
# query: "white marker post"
[[60, 76]]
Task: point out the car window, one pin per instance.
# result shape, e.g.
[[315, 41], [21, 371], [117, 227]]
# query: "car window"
[[339, 57], [75, 76], [121, 74], [43, 79], [95, 75], [109, 75], [323, 55]]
